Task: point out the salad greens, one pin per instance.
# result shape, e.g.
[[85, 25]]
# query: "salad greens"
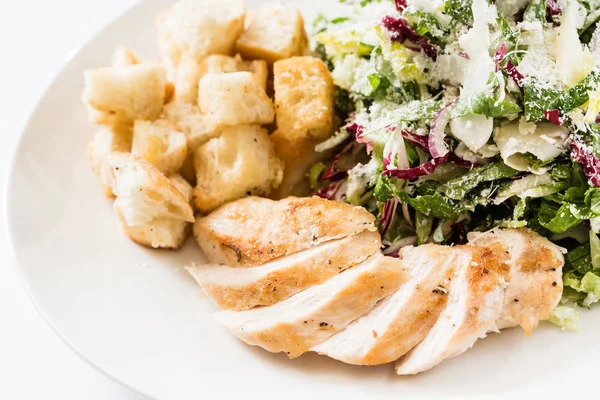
[[465, 115]]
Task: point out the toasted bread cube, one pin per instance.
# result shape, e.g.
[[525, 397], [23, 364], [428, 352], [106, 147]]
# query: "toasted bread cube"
[[186, 80], [152, 211], [304, 98], [235, 99], [276, 32], [241, 162], [258, 68], [220, 64], [106, 141], [161, 144], [120, 96], [187, 171], [188, 119], [163, 233], [198, 128], [189, 73], [299, 156], [197, 28], [123, 57], [184, 188]]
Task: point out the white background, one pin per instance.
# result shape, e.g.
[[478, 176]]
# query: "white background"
[[36, 37]]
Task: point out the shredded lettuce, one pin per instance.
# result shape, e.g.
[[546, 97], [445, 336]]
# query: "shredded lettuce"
[[566, 318], [458, 188], [483, 104], [397, 65]]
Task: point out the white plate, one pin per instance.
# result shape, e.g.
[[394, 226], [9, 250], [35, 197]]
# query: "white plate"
[[137, 316]]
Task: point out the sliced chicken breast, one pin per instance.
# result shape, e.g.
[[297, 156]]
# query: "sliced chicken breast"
[[297, 324], [474, 304], [401, 321], [254, 231], [241, 289], [536, 284]]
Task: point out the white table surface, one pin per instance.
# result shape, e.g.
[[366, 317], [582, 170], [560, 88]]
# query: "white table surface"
[[36, 37]]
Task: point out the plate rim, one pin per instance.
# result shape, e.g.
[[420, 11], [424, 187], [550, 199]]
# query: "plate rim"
[[8, 200]]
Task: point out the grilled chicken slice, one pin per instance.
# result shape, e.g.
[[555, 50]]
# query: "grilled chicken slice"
[[254, 231], [475, 299], [536, 284], [297, 324], [402, 320], [241, 289]]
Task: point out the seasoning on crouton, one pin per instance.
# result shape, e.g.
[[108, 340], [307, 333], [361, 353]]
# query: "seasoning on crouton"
[[123, 57], [106, 141], [152, 211], [304, 98], [276, 32], [235, 99], [161, 144], [120, 96], [241, 162], [197, 28]]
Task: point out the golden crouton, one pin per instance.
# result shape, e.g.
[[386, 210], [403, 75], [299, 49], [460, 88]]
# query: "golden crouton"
[[123, 57], [189, 119], [220, 64], [304, 98], [152, 211], [235, 99], [106, 141], [120, 96], [276, 32], [241, 162], [161, 144], [197, 28], [189, 73], [186, 80], [184, 188], [198, 128]]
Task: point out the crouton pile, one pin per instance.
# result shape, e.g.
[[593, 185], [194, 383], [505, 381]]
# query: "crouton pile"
[[234, 108]]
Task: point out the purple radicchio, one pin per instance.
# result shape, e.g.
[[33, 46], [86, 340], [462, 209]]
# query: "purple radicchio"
[[436, 142], [330, 192], [499, 56], [401, 5], [580, 153], [515, 75], [554, 117], [401, 32], [334, 174], [552, 10], [412, 173], [416, 140], [388, 215]]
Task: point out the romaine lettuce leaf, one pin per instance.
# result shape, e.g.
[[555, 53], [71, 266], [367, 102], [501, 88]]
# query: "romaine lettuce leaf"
[[423, 227], [536, 11], [460, 10], [437, 206], [508, 35], [458, 188], [558, 219], [580, 260], [566, 318], [483, 104]]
